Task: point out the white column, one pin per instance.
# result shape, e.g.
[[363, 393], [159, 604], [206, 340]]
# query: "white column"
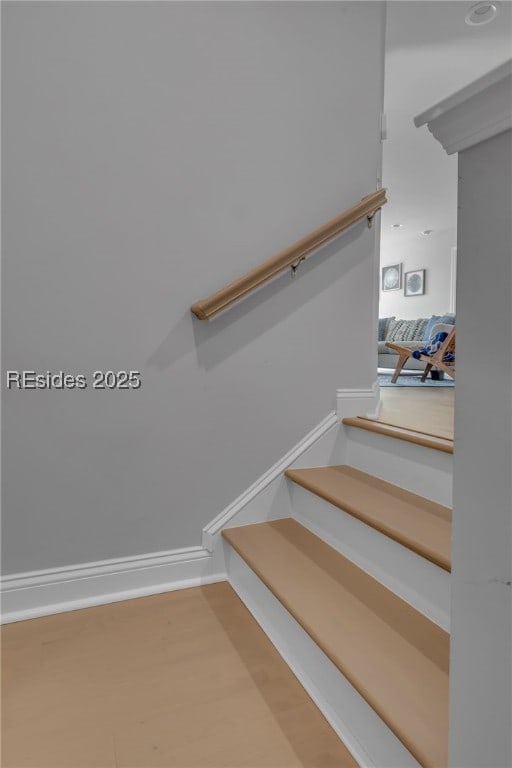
[[476, 122]]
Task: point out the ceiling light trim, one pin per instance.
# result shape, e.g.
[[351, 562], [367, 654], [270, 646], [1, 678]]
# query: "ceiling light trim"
[[481, 13]]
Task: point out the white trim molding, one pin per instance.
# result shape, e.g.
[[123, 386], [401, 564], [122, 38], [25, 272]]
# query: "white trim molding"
[[358, 402], [55, 590], [213, 529], [479, 111], [268, 497]]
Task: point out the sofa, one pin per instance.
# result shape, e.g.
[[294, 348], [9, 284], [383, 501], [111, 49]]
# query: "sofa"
[[408, 333]]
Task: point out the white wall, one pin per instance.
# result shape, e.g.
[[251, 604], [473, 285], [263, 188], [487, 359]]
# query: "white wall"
[[432, 253], [430, 53], [154, 152], [481, 647]]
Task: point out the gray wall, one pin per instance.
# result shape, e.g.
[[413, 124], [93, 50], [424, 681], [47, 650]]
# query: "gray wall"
[[152, 153], [481, 659]]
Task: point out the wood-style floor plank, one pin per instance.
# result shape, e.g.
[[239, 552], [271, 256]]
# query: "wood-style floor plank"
[[429, 410], [183, 679]]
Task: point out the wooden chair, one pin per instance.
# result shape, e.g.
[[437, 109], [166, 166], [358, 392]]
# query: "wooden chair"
[[432, 361], [436, 360]]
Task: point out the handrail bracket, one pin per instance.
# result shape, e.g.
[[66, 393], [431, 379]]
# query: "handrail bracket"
[[371, 217], [291, 257], [294, 267]]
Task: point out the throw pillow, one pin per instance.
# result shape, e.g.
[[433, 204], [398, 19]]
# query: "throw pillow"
[[407, 330], [434, 320], [383, 327], [449, 319]]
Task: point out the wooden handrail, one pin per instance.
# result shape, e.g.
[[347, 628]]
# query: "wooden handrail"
[[205, 309]]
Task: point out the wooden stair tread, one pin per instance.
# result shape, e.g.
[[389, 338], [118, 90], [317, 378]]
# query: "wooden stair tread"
[[394, 656], [401, 433], [418, 523]]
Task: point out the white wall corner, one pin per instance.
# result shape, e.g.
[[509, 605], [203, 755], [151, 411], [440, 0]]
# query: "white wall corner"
[[267, 498], [358, 402], [55, 590], [453, 279], [479, 111]]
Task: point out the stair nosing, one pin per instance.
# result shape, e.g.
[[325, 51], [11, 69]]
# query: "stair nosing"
[[341, 665], [400, 433], [426, 551]]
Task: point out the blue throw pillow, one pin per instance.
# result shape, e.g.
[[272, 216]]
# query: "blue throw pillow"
[[448, 319], [435, 320]]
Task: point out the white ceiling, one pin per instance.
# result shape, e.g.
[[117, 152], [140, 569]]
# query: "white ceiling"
[[430, 53]]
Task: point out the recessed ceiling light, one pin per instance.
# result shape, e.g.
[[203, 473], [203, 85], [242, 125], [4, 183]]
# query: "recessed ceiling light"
[[396, 226], [426, 232], [481, 13]]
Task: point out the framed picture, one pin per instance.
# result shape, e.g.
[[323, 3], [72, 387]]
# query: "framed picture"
[[392, 277], [414, 283]]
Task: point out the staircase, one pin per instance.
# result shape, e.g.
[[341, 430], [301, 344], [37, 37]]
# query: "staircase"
[[353, 590]]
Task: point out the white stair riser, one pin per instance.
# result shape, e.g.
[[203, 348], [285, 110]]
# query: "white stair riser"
[[418, 469], [365, 735], [416, 580]]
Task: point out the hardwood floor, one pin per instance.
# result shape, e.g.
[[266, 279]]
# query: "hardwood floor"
[[428, 410], [183, 679]]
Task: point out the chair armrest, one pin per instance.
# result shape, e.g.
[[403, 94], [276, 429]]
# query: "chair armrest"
[[410, 345]]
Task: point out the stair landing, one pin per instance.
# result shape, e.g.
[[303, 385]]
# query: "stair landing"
[[429, 411]]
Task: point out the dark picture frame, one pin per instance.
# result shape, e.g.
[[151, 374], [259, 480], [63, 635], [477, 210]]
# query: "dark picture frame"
[[414, 282], [391, 277]]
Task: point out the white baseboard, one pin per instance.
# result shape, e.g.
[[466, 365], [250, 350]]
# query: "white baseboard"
[[365, 735], [55, 590], [266, 498], [212, 530], [358, 402]]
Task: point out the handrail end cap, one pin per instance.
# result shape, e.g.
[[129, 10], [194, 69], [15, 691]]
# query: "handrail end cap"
[[198, 311]]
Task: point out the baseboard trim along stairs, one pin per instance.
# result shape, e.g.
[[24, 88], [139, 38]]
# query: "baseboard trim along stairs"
[[264, 493]]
